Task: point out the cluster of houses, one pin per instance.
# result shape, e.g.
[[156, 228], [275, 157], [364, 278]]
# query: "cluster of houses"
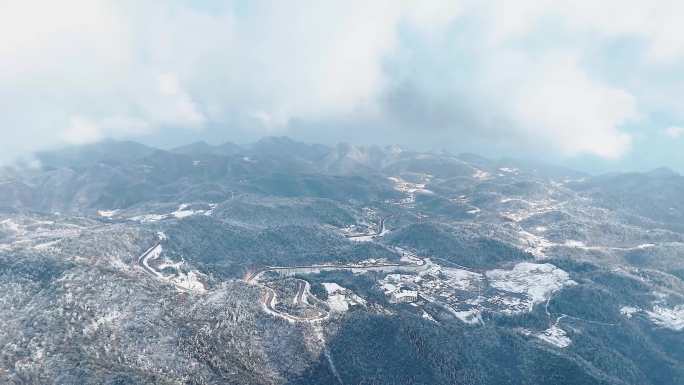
[[399, 289]]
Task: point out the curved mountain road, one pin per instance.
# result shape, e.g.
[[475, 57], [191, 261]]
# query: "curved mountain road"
[[303, 293], [269, 300]]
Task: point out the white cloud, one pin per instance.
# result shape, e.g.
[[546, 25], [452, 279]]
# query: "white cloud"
[[560, 105], [177, 107], [674, 132], [81, 130], [101, 69], [104, 68], [125, 126], [656, 23]]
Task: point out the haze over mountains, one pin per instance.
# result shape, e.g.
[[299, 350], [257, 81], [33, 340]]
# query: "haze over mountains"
[[282, 262]]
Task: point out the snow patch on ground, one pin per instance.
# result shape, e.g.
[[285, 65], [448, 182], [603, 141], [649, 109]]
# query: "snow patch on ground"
[[338, 303], [467, 294], [428, 317], [340, 299], [183, 212], [629, 311], [182, 280], [118, 264], [535, 244], [363, 238], [481, 175], [519, 209], [555, 336], [536, 281], [189, 281], [662, 316], [332, 287], [103, 320], [47, 245], [471, 317], [411, 189], [574, 244], [461, 279]]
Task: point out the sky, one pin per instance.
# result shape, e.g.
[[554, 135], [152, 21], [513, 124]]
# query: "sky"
[[594, 85]]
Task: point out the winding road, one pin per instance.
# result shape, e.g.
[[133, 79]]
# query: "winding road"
[[180, 284], [144, 257], [378, 233], [303, 293], [269, 300]]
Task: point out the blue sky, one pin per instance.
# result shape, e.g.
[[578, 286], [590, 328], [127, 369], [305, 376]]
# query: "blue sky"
[[594, 86]]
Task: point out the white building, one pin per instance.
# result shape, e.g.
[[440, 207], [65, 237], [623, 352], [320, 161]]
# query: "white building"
[[403, 296]]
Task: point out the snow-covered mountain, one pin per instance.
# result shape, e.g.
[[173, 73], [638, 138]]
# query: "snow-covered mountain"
[[283, 262]]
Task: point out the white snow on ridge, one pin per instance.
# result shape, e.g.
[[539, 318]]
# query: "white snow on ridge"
[[509, 170], [11, 226], [362, 238], [481, 175], [182, 211], [644, 246], [107, 213], [670, 318], [148, 218], [210, 212]]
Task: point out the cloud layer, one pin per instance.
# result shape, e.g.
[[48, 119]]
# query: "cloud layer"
[[532, 75]]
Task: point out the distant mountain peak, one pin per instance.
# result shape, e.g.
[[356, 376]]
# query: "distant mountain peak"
[[663, 172], [203, 148]]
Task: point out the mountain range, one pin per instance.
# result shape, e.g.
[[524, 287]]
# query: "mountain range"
[[282, 262]]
